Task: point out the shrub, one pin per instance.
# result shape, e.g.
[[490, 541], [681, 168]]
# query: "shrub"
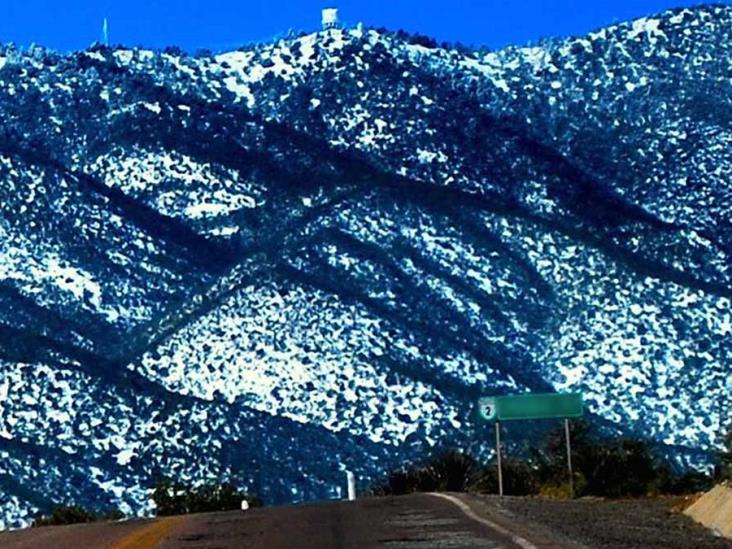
[[616, 469], [520, 478], [422, 40], [174, 51], [552, 459], [451, 471], [606, 468], [688, 482], [178, 499], [398, 482], [74, 514], [725, 458], [555, 491]]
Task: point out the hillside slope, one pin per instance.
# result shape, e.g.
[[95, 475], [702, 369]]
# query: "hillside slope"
[[276, 263]]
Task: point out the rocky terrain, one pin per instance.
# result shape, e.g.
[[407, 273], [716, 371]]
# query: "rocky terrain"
[[273, 264]]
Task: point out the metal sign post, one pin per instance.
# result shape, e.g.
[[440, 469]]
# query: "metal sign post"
[[498, 456], [569, 458]]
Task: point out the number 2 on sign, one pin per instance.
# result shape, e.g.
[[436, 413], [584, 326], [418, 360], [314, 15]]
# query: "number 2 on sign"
[[487, 407]]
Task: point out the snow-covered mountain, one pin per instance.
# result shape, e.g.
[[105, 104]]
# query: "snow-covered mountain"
[[276, 263]]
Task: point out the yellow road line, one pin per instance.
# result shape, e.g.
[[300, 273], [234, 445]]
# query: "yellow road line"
[[149, 536]]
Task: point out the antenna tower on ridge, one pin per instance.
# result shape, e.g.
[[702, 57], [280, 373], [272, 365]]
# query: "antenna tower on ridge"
[[105, 32]]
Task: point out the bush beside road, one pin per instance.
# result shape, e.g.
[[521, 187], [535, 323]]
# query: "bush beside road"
[[608, 468]]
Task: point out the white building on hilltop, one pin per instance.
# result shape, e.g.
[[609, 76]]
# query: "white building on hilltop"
[[330, 18]]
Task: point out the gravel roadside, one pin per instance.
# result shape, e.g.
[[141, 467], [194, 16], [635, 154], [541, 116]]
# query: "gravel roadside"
[[648, 523]]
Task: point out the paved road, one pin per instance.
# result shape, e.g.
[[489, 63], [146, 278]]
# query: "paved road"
[[409, 522], [98, 535]]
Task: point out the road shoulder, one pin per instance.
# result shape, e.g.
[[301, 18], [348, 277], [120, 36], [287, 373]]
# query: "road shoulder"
[[539, 536]]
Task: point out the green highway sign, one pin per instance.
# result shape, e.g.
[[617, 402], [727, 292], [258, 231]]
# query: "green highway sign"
[[531, 406]]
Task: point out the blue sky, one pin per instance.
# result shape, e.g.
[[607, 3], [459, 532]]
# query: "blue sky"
[[221, 24]]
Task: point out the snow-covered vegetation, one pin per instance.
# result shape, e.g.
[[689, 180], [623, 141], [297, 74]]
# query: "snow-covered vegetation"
[[272, 264]]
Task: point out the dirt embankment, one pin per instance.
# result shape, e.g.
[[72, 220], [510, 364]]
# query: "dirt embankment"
[[714, 510]]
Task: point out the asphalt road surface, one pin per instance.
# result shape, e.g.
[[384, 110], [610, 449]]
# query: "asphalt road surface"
[[408, 522]]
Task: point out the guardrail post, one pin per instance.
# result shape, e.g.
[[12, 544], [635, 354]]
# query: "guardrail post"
[[351, 480]]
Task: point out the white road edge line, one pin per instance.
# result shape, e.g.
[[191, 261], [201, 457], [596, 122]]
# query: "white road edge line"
[[465, 508]]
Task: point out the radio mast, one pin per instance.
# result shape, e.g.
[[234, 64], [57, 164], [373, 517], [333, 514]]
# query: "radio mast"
[[105, 32]]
